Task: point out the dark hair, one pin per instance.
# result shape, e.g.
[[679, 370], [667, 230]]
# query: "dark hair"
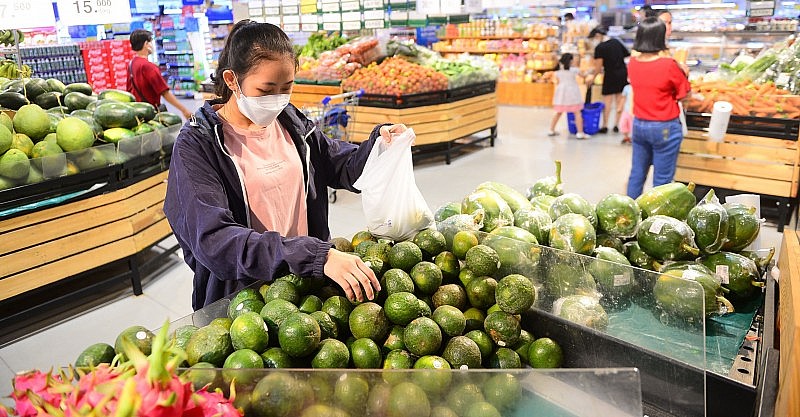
[[651, 36], [248, 44], [599, 30], [566, 60], [569, 16], [139, 37], [649, 11]]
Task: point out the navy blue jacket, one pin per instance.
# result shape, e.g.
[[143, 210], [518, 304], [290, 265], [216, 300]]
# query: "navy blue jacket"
[[208, 211]]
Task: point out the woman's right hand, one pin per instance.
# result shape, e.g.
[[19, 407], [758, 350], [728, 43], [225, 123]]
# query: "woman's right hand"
[[352, 274]]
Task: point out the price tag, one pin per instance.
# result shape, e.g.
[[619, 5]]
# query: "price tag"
[[330, 7], [657, 226], [290, 10], [331, 26], [373, 4], [350, 5], [291, 19], [93, 12], [373, 24], [309, 27], [353, 17], [291, 27], [622, 279], [25, 14], [783, 79], [373, 14], [272, 11], [722, 273], [351, 25]]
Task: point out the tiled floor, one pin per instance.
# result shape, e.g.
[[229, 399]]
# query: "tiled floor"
[[522, 154]]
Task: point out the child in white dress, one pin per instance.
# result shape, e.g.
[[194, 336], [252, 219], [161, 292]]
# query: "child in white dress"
[[567, 97]]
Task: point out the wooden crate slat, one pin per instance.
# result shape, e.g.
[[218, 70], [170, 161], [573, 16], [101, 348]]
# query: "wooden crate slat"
[[152, 235], [752, 140], [51, 251], [66, 267], [412, 120], [743, 151], [78, 206], [735, 182], [787, 402], [432, 138], [85, 220], [748, 169]]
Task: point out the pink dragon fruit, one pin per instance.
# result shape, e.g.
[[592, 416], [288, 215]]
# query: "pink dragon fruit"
[[34, 389], [210, 404]]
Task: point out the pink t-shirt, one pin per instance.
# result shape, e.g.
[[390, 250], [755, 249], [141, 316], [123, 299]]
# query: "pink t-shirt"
[[273, 177]]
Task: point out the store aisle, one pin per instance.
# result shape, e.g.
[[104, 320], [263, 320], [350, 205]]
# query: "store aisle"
[[522, 154]]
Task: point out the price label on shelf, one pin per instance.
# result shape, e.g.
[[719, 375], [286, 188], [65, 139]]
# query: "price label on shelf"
[[26, 14], [93, 12]]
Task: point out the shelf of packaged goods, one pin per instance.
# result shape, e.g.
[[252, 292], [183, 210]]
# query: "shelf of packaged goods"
[[488, 51], [176, 52], [492, 37]]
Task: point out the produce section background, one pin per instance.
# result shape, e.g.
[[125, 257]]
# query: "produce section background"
[[522, 154]]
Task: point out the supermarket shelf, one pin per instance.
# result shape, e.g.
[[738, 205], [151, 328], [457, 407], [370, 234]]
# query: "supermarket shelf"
[[449, 38], [176, 52], [487, 51], [179, 65], [734, 33]]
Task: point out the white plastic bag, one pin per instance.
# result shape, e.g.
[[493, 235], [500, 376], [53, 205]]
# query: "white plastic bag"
[[393, 206]]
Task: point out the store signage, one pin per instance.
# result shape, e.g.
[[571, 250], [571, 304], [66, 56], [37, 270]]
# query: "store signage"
[[760, 8], [26, 14], [428, 6], [351, 25], [93, 12]]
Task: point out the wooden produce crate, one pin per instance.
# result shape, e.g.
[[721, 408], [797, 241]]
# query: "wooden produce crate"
[[312, 94], [750, 164], [52, 244], [788, 397], [525, 94], [435, 124]]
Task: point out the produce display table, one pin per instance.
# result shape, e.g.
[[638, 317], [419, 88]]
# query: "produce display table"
[[312, 94], [525, 94], [788, 396], [757, 155], [440, 128], [57, 234]]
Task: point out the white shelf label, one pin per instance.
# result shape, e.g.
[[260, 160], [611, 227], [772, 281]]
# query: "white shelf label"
[[93, 12], [291, 19], [373, 24], [272, 3], [275, 20], [401, 15], [290, 2], [272, 11], [351, 25], [255, 4], [352, 17], [428, 6], [332, 26], [24, 14], [256, 12], [332, 17], [330, 7], [291, 28], [373, 14], [762, 4], [309, 18], [290, 10], [350, 5], [309, 27], [373, 4]]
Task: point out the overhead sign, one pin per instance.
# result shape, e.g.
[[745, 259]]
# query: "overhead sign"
[[26, 14], [93, 12]]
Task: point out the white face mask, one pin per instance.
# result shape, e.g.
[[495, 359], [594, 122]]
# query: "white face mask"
[[261, 110]]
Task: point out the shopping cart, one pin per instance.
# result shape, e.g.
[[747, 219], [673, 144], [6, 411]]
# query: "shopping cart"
[[333, 117]]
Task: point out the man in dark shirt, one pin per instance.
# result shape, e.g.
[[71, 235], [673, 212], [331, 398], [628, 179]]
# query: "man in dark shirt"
[[609, 58], [144, 78]]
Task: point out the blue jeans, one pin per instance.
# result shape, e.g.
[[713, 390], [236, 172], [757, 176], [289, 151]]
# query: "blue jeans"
[[657, 144]]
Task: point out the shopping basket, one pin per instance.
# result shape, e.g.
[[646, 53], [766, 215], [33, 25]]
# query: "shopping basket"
[[591, 114], [333, 117]]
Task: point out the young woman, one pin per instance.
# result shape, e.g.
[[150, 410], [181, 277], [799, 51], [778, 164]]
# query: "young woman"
[[609, 59], [567, 96], [658, 83], [247, 190]]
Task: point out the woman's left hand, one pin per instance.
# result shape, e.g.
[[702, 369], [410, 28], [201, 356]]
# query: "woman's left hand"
[[388, 132]]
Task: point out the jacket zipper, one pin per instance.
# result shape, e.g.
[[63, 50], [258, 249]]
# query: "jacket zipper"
[[238, 172], [308, 158]]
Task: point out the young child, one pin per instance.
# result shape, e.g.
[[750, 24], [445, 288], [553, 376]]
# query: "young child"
[[626, 118], [567, 97]]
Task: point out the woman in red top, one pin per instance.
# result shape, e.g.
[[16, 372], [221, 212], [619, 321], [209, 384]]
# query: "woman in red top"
[[658, 83]]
